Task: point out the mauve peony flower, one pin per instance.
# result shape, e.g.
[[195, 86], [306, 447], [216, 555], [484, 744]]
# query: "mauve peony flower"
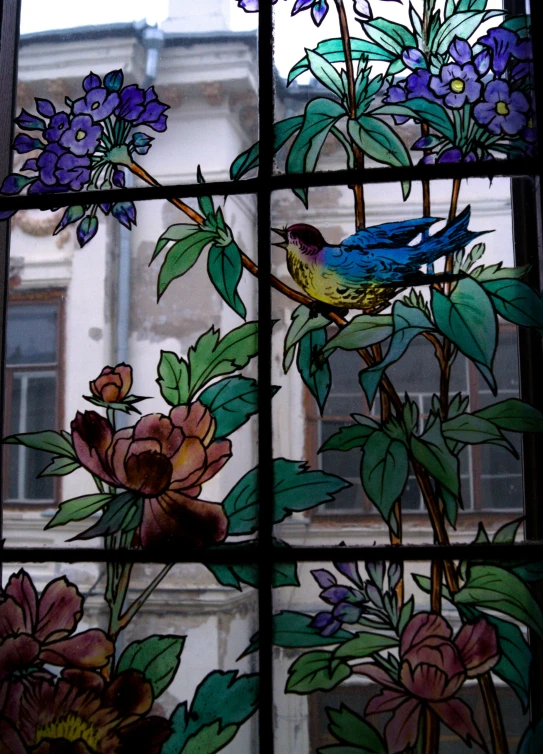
[[80, 713], [433, 668], [40, 630], [166, 460], [113, 384]]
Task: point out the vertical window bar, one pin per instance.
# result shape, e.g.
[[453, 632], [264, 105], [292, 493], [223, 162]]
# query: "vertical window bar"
[[265, 599], [9, 39]]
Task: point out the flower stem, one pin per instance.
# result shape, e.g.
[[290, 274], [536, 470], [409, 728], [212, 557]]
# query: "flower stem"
[[125, 619], [358, 189]]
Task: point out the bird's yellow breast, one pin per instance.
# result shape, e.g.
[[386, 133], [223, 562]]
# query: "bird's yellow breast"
[[327, 286]]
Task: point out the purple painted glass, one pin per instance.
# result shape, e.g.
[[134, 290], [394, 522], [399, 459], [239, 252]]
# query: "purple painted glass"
[[98, 103], [58, 124], [503, 44], [82, 136], [460, 51], [457, 84], [323, 578], [503, 111]]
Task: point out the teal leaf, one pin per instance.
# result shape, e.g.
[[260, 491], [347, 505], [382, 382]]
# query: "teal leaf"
[[49, 441], [532, 740], [225, 268], [301, 323], [235, 575], [519, 24], [384, 471], [78, 508], [513, 415], [248, 160], [468, 319], [433, 453], [232, 402], [474, 430], [156, 657], [391, 36], [298, 488], [497, 272], [379, 141], [347, 438], [313, 367], [516, 301], [173, 378], [176, 233], [60, 467], [461, 24], [222, 702], [506, 534], [123, 513], [285, 574], [349, 728], [431, 113], [181, 257], [425, 583], [241, 505], [364, 644], [408, 322], [320, 116], [362, 331], [316, 671], [491, 588], [325, 72], [464, 5], [332, 50]]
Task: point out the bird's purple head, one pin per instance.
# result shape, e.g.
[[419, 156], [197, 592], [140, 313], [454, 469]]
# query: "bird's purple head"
[[306, 238]]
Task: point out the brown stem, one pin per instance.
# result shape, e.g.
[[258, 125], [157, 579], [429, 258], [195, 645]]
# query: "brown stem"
[[125, 619], [431, 733], [358, 189]]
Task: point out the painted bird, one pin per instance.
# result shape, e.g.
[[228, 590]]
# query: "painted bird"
[[366, 269]]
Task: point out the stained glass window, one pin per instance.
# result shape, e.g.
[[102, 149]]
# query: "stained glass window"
[[271, 407]]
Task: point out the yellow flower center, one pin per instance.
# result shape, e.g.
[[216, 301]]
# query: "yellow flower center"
[[531, 123], [70, 728], [80, 135], [458, 86], [502, 108], [95, 105]]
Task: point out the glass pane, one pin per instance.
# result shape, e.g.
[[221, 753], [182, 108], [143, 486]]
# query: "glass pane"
[[363, 657], [404, 91], [448, 424], [165, 670], [157, 381], [121, 89], [32, 334]]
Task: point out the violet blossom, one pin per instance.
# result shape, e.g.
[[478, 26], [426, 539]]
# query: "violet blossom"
[[504, 44], [347, 602], [98, 103], [458, 84], [503, 110]]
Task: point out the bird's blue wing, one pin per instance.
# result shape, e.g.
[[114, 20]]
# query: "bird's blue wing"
[[355, 268], [389, 235]]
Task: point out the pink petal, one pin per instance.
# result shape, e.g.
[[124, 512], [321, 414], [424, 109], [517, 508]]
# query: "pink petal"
[[174, 521], [60, 610], [22, 590], [195, 420], [158, 427], [16, 653], [84, 680], [92, 436], [189, 463], [10, 741], [401, 731], [117, 454], [218, 453], [386, 701], [378, 675], [125, 373], [12, 618], [433, 669], [459, 718], [90, 649], [478, 646], [421, 627]]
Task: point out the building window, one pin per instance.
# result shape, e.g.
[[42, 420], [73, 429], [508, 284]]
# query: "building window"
[[32, 403]]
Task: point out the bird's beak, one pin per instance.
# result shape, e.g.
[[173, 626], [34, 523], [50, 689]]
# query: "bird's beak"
[[283, 233]]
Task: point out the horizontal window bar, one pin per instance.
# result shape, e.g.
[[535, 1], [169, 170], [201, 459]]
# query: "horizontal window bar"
[[529, 551], [490, 169]]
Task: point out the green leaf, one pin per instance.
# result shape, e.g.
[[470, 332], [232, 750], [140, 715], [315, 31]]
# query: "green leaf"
[[519, 24], [474, 430], [498, 272], [421, 109], [248, 160], [284, 574], [492, 588], [60, 467], [513, 415], [241, 505], [316, 671], [313, 367], [174, 233], [320, 116], [48, 441], [347, 438], [532, 740], [364, 644], [408, 322], [425, 583], [392, 36], [298, 488], [225, 268], [78, 508], [529, 571], [468, 319], [181, 257], [516, 302], [506, 534], [301, 323], [222, 702], [173, 378], [232, 402], [325, 72], [156, 657], [123, 513], [207, 208], [332, 50], [213, 356], [384, 471], [461, 24], [235, 575], [349, 728], [379, 141], [464, 5], [432, 452]]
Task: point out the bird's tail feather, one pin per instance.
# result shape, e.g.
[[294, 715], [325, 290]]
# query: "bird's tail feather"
[[449, 240]]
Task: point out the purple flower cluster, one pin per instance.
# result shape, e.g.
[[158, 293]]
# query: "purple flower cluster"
[[85, 145], [318, 8]]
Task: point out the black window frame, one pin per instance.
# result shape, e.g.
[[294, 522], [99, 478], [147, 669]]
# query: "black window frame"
[[527, 213]]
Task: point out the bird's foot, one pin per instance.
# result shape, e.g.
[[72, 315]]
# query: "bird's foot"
[[317, 308]]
